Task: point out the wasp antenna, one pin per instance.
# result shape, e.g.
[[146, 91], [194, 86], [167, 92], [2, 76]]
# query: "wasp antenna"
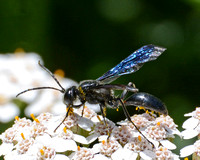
[[52, 75], [31, 89]]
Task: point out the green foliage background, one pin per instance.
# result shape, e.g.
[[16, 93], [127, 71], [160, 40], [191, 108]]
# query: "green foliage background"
[[86, 38]]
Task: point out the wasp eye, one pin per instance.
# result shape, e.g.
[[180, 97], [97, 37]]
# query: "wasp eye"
[[70, 95]]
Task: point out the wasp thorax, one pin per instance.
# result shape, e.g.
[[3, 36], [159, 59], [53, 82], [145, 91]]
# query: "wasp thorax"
[[88, 84]]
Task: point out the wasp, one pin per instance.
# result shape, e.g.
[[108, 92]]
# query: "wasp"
[[101, 91]]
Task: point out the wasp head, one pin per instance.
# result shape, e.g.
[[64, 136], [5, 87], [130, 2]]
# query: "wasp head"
[[70, 95]]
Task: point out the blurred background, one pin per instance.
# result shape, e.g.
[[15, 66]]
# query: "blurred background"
[[87, 38]]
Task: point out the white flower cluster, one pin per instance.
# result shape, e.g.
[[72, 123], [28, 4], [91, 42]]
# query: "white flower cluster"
[[192, 129], [38, 139]]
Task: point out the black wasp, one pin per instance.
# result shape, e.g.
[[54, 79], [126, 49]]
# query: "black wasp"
[[101, 92]]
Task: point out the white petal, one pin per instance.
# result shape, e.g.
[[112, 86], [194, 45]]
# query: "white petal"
[[130, 155], [190, 123], [95, 119], [103, 138], [62, 145], [60, 157], [59, 144], [188, 114], [186, 151], [177, 132], [85, 123], [92, 138], [94, 107], [33, 149], [147, 155], [80, 139], [125, 153], [96, 148], [156, 143], [122, 123], [176, 157], [5, 148], [100, 157], [12, 155], [168, 144], [118, 155], [189, 133], [45, 139]]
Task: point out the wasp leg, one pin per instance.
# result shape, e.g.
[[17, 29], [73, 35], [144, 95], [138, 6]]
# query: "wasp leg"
[[102, 108], [129, 119], [125, 92], [69, 107], [83, 110], [78, 106], [103, 113]]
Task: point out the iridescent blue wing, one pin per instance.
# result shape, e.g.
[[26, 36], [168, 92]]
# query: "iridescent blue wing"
[[133, 62]]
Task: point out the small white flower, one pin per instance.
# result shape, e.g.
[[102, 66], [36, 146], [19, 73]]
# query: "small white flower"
[[192, 122], [156, 132], [141, 121], [83, 153], [140, 147], [101, 128], [164, 153], [122, 134], [191, 149], [46, 153], [168, 124], [191, 125], [108, 147]]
